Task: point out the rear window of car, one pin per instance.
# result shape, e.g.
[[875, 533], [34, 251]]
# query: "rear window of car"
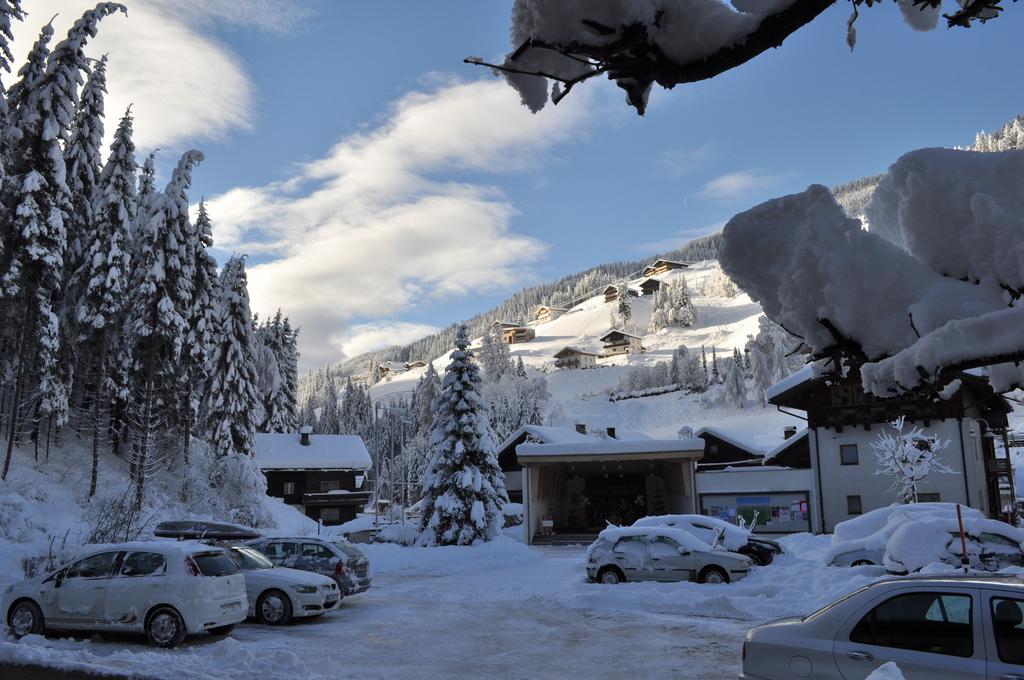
[[214, 564], [350, 550]]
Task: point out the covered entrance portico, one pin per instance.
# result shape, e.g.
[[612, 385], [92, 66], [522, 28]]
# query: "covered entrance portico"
[[581, 492]]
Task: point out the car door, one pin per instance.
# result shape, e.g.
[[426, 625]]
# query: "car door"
[[281, 553], [931, 635], [630, 553], [79, 595], [137, 586], [669, 560], [315, 557], [1004, 634]]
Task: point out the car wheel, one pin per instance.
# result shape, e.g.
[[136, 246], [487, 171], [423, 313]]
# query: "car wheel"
[[274, 608], [863, 563], [713, 574], [165, 627], [610, 576], [222, 630], [26, 618]]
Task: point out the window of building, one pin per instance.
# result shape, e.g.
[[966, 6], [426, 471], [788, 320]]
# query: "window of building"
[[853, 506], [938, 623], [1008, 623], [928, 497], [848, 454], [330, 514], [329, 486], [289, 488]]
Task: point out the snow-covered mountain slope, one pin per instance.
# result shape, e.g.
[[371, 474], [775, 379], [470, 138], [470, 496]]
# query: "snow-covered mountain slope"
[[723, 323]]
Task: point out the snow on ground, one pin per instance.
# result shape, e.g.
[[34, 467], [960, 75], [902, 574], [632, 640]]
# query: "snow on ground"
[[501, 609]]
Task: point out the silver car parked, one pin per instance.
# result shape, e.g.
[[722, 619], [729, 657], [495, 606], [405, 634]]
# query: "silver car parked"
[[660, 553], [336, 558], [933, 628]]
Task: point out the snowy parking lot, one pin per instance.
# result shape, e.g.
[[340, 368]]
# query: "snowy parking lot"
[[500, 609]]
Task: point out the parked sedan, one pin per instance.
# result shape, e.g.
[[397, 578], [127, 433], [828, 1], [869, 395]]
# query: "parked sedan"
[[279, 594], [714, 531], [660, 553], [165, 590], [933, 628], [336, 558]]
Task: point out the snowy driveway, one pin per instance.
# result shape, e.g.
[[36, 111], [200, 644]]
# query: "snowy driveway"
[[500, 610]]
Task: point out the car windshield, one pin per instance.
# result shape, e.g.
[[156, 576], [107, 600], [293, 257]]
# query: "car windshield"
[[347, 548], [248, 559], [214, 564]]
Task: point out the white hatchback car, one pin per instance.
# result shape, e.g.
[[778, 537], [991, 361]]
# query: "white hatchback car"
[[279, 594], [933, 628], [165, 590]]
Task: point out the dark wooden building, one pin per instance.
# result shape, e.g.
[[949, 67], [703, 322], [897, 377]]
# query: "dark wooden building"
[[324, 475]]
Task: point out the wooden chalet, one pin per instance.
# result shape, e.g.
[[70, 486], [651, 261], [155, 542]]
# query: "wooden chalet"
[[572, 358], [517, 334], [650, 286], [611, 293], [324, 475], [545, 313], [662, 266], [620, 342]]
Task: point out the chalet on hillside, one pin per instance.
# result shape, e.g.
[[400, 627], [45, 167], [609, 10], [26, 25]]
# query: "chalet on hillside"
[[611, 293], [573, 357], [843, 421], [621, 342], [517, 334], [499, 326], [388, 369], [650, 286], [545, 314], [579, 480], [324, 475], [662, 266], [415, 364]]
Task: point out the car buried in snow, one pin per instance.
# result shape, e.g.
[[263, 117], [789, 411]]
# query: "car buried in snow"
[[164, 590], [729, 536], [336, 558], [953, 627], [660, 553]]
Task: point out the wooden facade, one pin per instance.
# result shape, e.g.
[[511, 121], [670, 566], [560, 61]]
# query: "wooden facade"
[[545, 314], [662, 266], [611, 293], [572, 358], [328, 495], [620, 342], [518, 334], [650, 286]]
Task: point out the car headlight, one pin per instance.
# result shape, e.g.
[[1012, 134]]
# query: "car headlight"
[[309, 590]]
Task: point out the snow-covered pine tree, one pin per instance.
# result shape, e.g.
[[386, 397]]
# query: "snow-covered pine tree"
[[18, 116], [659, 311], [704, 359], [10, 10], [680, 312], [233, 405], [695, 377], [716, 376], [495, 355], [424, 399], [463, 489], [330, 422], [288, 361], [103, 277], [148, 199], [625, 311], [677, 370], [273, 378], [760, 368], [735, 393]]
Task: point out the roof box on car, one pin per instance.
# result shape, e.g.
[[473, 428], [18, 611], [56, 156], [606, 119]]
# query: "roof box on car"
[[210, 531]]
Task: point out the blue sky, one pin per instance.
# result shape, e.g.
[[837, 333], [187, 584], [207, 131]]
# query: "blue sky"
[[381, 187]]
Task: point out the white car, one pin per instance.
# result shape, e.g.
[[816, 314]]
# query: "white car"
[[165, 590], [715, 532], [933, 628], [990, 545], [279, 594], [861, 541]]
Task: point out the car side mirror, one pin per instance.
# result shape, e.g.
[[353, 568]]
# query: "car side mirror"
[[684, 551]]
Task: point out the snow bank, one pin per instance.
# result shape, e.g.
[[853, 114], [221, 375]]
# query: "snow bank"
[[871, 522], [386, 558], [887, 671]]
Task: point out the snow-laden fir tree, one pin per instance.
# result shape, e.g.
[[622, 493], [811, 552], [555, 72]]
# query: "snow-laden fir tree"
[[695, 377], [423, 399], [275, 369], [761, 372], [149, 199], [233, 405], [330, 417], [288, 362], [680, 311], [735, 393], [104, 276], [909, 457], [716, 376], [659, 310], [677, 369], [463, 488], [495, 356], [625, 311]]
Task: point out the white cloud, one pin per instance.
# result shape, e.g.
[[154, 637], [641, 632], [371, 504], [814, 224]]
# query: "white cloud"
[[737, 185], [373, 336], [184, 86], [388, 218], [677, 239]]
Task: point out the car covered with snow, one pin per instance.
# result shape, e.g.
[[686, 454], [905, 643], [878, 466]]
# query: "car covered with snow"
[[861, 540], [716, 532], [336, 558], [990, 545], [165, 590], [279, 594], [951, 627], [660, 553]]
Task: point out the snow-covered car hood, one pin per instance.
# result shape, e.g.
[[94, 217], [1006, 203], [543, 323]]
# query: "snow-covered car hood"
[[286, 577]]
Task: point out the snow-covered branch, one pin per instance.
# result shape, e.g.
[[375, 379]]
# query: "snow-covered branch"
[[909, 457]]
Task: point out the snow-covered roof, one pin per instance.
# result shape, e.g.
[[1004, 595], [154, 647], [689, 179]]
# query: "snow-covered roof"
[[783, 445], [575, 350], [805, 374], [277, 451], [611, 333], [547, 434], [600, 448], [730, 438], [547, 308], [683, 538], [394, 365]]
